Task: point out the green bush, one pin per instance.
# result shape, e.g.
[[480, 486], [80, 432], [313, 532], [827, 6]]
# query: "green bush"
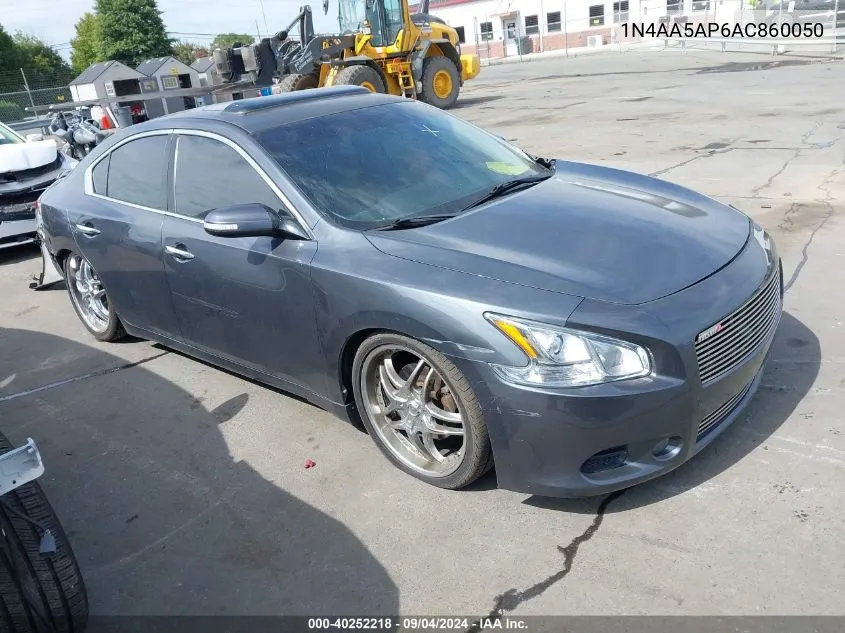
[[10, 112]]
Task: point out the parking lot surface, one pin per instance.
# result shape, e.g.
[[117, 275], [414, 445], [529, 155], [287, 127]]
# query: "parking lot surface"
[[183, 489]]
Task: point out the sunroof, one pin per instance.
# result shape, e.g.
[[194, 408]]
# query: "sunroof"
[[256, 104]]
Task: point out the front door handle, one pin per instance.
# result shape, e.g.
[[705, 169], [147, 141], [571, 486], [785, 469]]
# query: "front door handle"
[[87, 229], [179, 252]]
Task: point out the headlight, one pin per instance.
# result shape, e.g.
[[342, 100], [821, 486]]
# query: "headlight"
[[561, 357]]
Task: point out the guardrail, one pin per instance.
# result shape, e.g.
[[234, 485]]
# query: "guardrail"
[[833, 42], [32, 124]]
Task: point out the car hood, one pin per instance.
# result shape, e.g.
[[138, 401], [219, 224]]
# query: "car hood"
[[588, 231], [25, 156]]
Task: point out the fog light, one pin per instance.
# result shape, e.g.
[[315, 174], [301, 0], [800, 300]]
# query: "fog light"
[[667, 448], [605, 460]]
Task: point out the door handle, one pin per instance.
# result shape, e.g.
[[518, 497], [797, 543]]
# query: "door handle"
[[179, 252], [87, 229]]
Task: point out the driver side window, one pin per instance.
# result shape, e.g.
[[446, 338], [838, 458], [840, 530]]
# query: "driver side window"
[[210, 175]]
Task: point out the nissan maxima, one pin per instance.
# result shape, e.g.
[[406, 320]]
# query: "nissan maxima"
[[582, 328]]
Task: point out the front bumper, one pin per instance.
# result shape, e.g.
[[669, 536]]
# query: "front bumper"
[[591, 441]]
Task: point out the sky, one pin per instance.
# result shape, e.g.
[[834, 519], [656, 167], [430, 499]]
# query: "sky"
[[193, 20]]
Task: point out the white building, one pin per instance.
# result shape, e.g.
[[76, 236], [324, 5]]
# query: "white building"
[[499, 28]]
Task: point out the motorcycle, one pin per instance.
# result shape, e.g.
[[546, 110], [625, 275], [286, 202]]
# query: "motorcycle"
[[80, 135]]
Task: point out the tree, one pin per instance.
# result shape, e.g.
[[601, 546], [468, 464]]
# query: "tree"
[[86, 45], [225, 40], [9, 55], [188, 52], [131, 31], [38, 57]]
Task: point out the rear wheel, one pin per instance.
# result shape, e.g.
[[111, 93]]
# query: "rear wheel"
[[35, 588], [441, 82], [362, 75], [90, 300], [292, 83]]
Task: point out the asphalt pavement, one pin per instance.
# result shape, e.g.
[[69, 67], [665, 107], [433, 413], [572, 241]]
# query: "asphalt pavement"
[[183, 487]]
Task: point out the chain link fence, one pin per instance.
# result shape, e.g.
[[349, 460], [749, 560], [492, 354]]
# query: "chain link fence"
[[23, 89], [576, 26]]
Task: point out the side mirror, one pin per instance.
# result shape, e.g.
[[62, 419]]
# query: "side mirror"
[[250, 220], [34, 138]]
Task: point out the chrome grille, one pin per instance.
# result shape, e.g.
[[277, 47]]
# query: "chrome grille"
[[739, 334], [712, 420]]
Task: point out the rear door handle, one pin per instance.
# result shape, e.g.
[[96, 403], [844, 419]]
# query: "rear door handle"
[[179, 252], [87, 229]]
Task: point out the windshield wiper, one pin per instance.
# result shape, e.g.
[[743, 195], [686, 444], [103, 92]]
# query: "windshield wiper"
[[414, 221], [506, 187]]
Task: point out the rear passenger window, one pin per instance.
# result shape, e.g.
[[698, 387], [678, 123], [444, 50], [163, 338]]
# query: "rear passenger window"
[[211, 175], [100, 176], [136, 172]]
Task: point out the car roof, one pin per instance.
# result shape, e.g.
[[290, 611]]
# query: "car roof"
[[256, 114]]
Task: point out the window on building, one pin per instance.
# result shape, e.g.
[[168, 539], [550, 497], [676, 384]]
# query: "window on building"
[[674, 7], [169, 82], [197, 189], [620, 11], [461, 35], [700, 5], [532, 24], [136, 170], [597, 14], [486, 31], [553, 21]]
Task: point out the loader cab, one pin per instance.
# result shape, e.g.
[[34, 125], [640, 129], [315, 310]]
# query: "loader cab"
[[382, 21]]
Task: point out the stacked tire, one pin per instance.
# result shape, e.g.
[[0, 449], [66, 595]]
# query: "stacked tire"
[[39, 592]]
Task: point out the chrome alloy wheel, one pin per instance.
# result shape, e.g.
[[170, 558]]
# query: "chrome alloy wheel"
[[88, 294], [413, 410]]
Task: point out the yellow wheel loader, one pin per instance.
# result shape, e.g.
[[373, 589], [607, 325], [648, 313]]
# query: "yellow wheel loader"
[[380, 46]]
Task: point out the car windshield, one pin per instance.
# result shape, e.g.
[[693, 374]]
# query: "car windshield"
[[370, 167], [7, 137]]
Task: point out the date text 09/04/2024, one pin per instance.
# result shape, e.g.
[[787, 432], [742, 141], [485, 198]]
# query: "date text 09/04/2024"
[[409, 624], [713, 29]]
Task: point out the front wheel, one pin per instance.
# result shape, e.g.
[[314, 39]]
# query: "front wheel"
[[292, 83], [421, 411], [90, 301]]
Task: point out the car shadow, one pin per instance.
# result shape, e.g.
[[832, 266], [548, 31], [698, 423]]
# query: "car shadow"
[[164, 516], [794, 364]]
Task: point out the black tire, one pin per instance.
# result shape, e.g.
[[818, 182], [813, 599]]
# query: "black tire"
[[115, 331], [34, 584], [431, 67], [478, 458], [361, 75], [292, 83]]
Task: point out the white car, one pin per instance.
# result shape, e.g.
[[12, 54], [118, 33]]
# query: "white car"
[[27, 167]]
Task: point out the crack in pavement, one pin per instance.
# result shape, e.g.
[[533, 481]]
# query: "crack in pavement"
[[511, 599], [93, 374], [805, 251]]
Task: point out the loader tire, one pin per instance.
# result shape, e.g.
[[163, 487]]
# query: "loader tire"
[[38, 592], [441, 82], [291, 83], [361, 75]]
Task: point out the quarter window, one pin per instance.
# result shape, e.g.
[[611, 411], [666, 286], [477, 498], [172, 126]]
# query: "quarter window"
[[211, 175], [136, 170], [100, 176]]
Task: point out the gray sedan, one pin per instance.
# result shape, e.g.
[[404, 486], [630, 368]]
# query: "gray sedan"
[[582, 328]]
